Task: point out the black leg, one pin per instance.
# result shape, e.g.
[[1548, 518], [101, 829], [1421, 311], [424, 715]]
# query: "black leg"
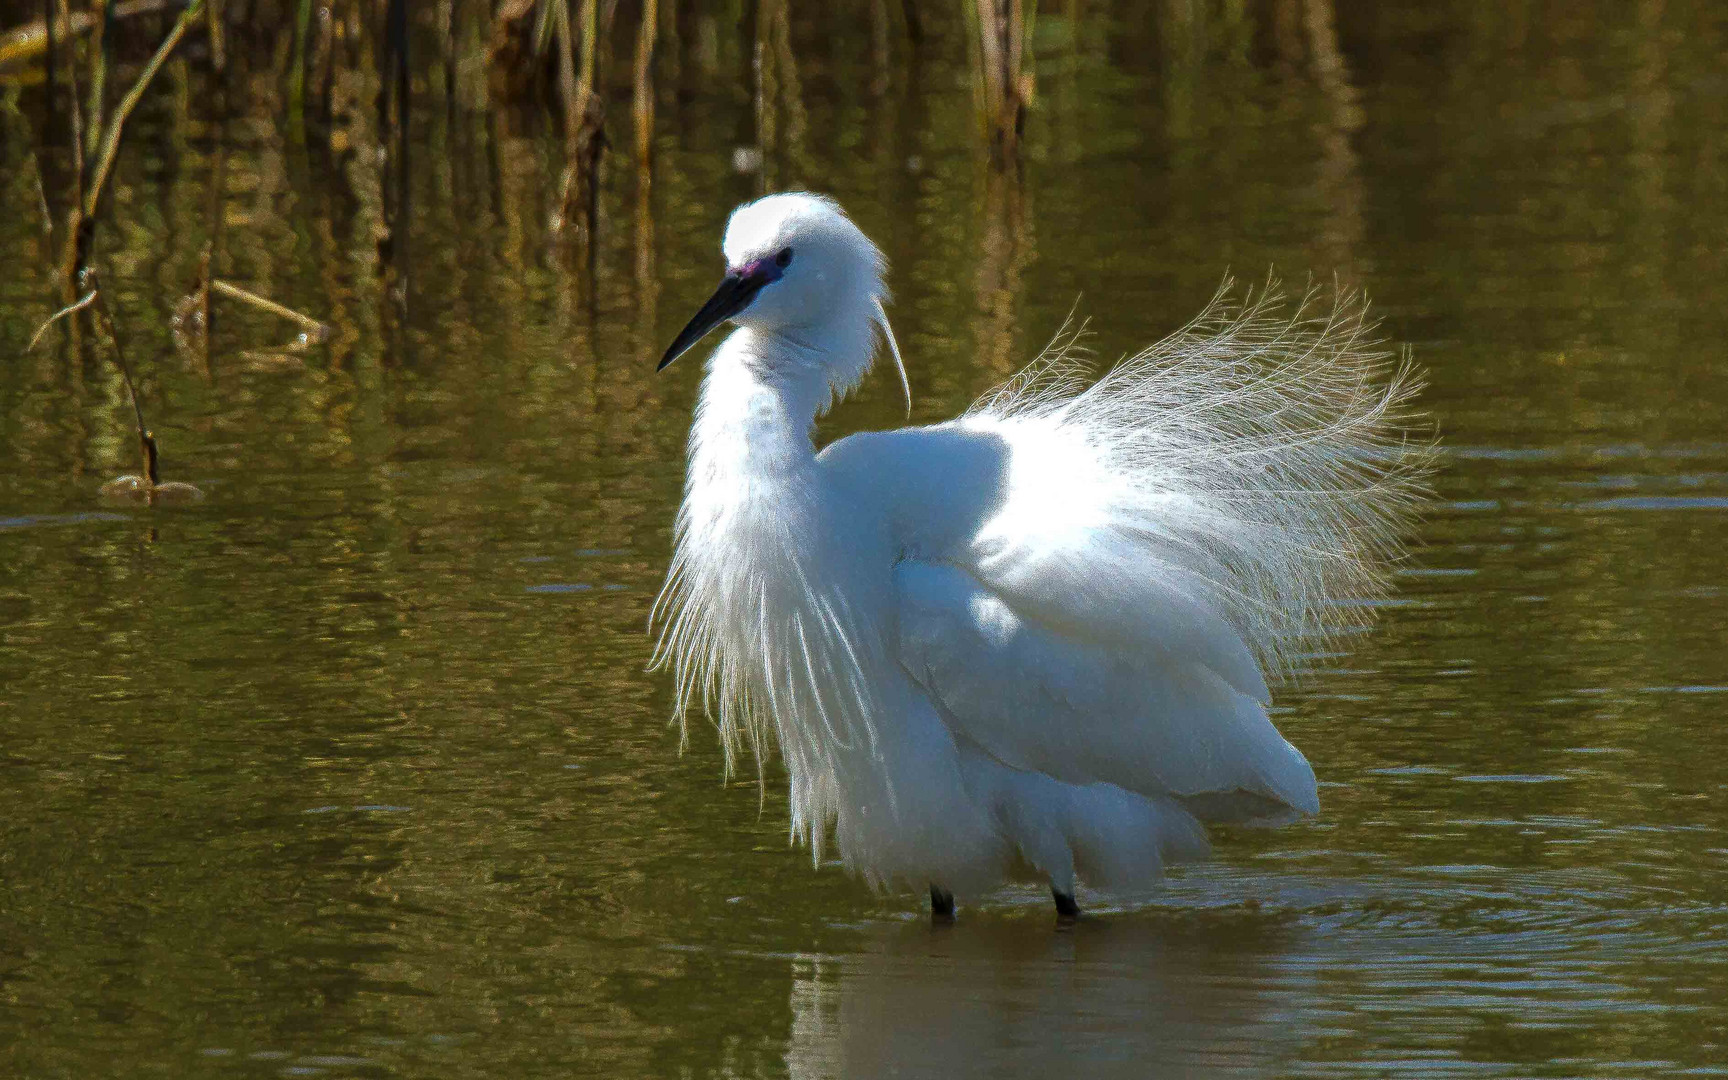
[[1065, 906], [941, 905]]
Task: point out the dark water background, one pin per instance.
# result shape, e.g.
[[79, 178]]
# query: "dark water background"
[[354, 769]]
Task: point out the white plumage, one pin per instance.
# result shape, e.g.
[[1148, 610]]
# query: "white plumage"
[[1034, 635]]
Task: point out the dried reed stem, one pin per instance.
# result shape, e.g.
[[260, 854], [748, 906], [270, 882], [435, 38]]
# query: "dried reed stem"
[[319, 331], [76, 306], [111, 137], [643, 104], [1003, 87]]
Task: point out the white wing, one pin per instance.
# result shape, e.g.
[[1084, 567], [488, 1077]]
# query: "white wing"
[[1055, 640], [1151, 716]]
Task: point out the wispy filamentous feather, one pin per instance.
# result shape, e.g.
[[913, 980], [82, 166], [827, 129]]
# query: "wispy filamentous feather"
[[1268, 451], [767, 646]]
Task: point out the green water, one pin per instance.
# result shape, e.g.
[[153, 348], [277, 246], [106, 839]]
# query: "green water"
[[355, 769]]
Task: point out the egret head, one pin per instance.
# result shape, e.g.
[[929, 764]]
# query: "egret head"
[[797, 266]]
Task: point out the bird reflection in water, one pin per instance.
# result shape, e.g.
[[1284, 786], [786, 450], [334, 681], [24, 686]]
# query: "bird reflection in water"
[[1189, 995]]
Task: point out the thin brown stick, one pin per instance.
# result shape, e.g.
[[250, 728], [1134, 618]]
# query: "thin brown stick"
[[42, 197], [590, 46], [75, 306], [318, 330], [644, 115], [105, 326], [148, 453], [990, 35], [218, 39], [1003, 88], [77, 125], [98, 105], [644, 88], [567, 85], [584, 133]]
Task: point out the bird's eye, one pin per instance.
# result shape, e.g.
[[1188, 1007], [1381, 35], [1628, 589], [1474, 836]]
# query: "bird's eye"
[[783, 259]]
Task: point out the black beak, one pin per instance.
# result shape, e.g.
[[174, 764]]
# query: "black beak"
[[736, 291]]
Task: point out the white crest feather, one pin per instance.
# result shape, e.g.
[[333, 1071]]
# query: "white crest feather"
[[894, 348]]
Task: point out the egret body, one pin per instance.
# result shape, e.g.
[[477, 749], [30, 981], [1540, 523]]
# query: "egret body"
[[1036, 636]]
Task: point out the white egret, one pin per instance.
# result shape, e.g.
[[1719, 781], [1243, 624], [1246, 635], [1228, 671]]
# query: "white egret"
[[1032, 637]]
